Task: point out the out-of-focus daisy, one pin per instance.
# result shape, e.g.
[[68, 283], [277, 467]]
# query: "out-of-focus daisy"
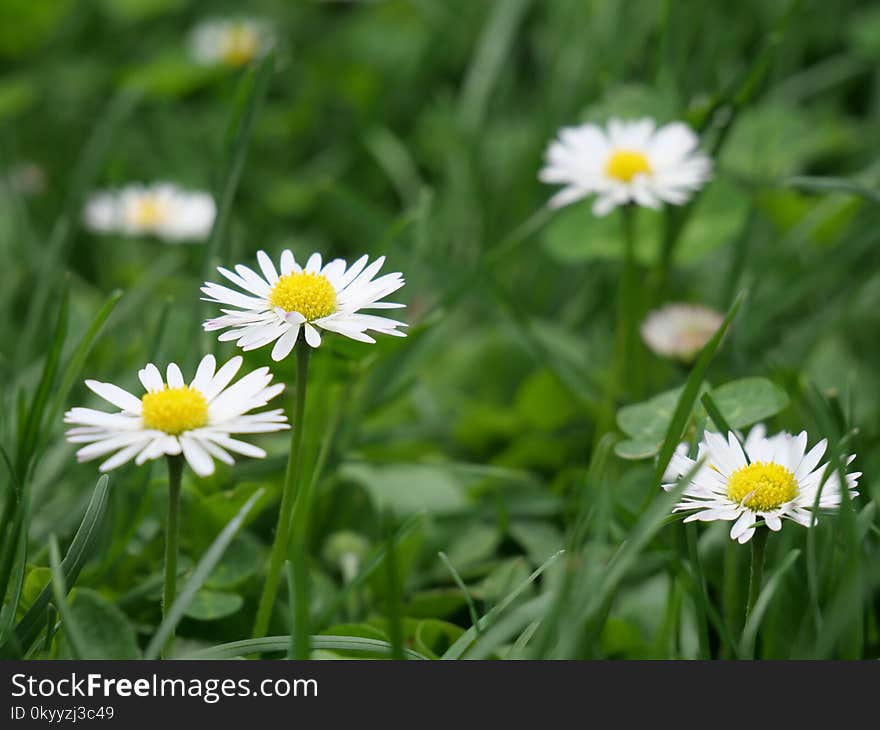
[[274, 307], [627, 162], [172, 417], [680, 330], [768, 479], [161, 209], [231, 42]]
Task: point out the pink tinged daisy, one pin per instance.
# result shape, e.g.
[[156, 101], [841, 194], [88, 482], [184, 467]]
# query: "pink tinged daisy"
[[680, 331], [627, 162], [273, 306], [162, 210], [767, 479], [173, 418]]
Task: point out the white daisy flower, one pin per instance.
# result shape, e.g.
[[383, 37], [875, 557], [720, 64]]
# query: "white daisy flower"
[[630, 161], [680, 331], [274, 307], [160, 209], [230, 42], [173, 418], [769, 479]]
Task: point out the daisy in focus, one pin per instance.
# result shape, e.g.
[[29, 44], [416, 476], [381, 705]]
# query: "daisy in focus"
[[230, 42], [768, 478], [173, 418], [161, 209], [680, 331], [275, 305], [627, 162]]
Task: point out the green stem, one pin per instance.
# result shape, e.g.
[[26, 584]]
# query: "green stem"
[[172, 534], [288, 496], [624, 335], [759, 542]]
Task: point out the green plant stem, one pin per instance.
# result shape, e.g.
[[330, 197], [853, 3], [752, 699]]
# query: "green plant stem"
[[624, 335], [759, 543], [172, 534], [288, 497]]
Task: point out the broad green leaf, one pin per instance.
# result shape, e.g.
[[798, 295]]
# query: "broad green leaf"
[[749, 400], [104, 629], [209, 605]]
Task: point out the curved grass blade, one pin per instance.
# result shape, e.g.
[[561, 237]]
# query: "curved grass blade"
[[472, 609], [59, 590], [463, 643], [269, 644], [27, 630], [78, 358], [199, 575]]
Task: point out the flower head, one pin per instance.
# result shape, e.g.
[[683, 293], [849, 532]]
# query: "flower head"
[[230, 42], [161, 209], [172, 417], [274, 307], [766, 478], [680, 330], [630, 161]]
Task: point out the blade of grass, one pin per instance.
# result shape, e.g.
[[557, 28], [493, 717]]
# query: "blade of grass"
[[472, 609], [199, 575], [72, 631], [461, 645], [41, 397], [271, 644], [27, 630]]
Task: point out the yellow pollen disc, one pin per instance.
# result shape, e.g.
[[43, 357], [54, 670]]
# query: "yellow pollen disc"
[[147, 212], [174, 410], [762, 486], [312, 295], [240, 45], [624, 165]]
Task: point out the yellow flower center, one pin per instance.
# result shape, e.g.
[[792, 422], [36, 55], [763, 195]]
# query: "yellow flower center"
[[312, 295], [762, 486], [174, 410], [147, 211], [624, 165], [239, 45]]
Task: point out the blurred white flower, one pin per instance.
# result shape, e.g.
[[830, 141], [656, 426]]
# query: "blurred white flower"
[[161, 209], [230, 42], [680, 330], [273, 307], [770, 479], [629, 161], [172, 417]]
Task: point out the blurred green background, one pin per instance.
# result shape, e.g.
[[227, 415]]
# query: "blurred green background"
[[415, 130]]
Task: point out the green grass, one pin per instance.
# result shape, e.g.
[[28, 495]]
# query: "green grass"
[[501, 465]]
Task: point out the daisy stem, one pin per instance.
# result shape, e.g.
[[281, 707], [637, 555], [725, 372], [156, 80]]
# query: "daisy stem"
[[628, 305], [288, 496], [759, 542], [172, 533]]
